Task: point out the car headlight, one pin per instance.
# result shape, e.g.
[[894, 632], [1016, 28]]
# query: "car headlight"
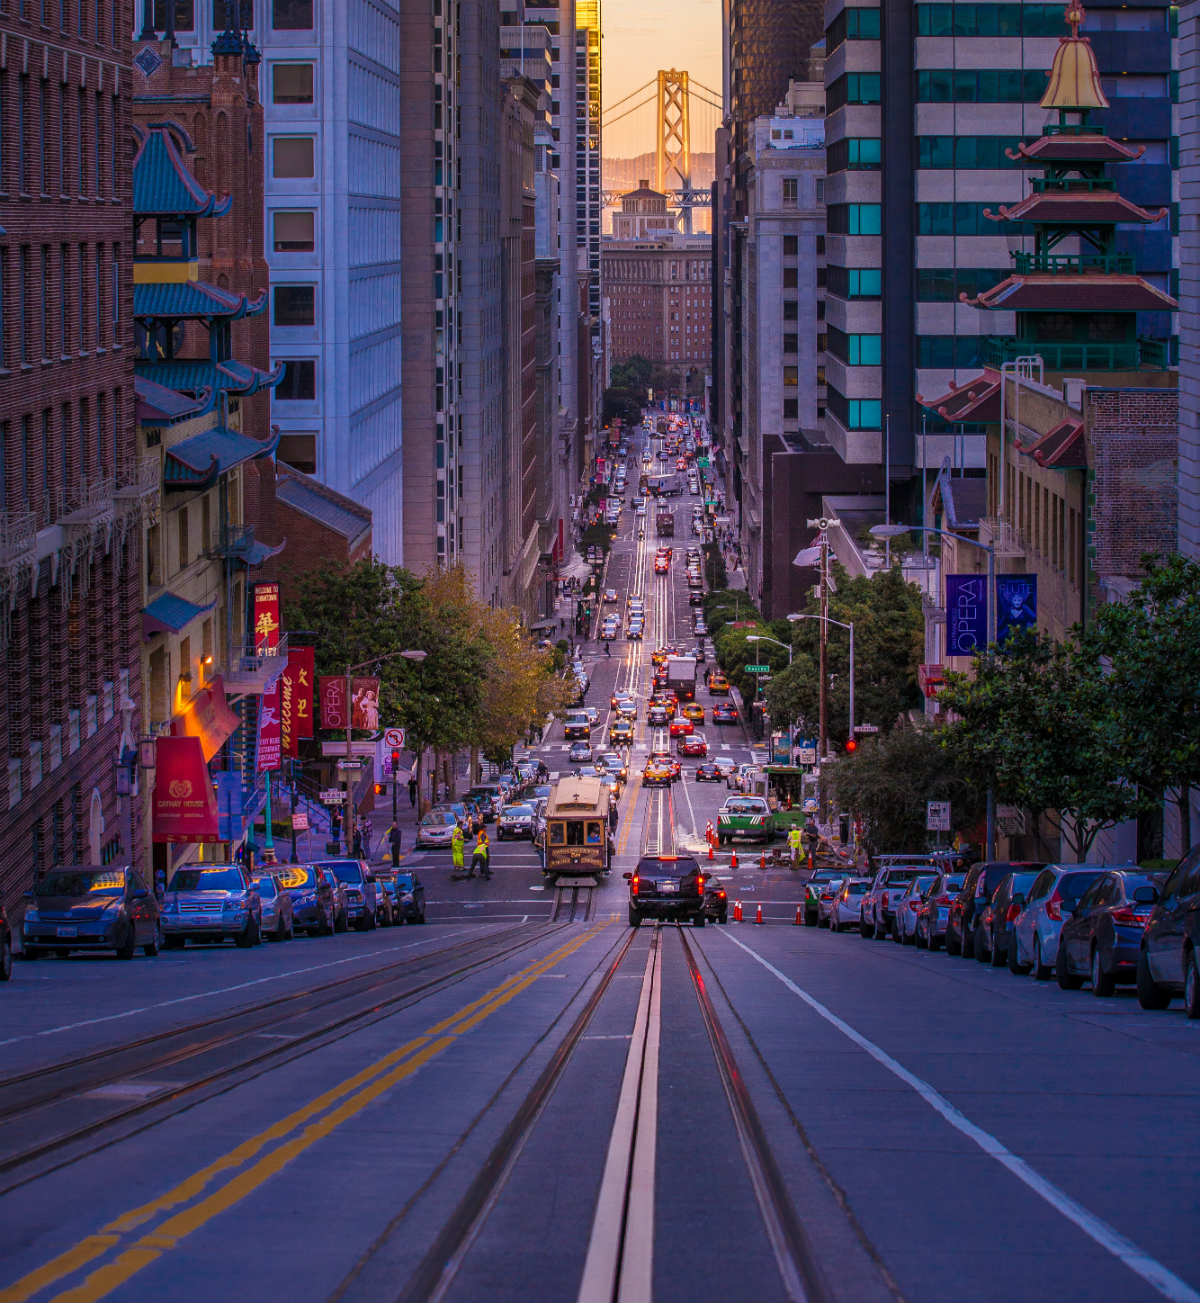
[[234, 907], [171, 907]]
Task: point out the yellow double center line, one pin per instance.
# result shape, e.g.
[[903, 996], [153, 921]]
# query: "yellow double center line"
[[298, 1131]]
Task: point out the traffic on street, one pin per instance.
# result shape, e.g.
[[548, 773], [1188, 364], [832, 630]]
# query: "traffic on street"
[[629, 1052]]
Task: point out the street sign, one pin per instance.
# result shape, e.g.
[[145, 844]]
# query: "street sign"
[[333, 796], [393, 737], [355, 762], [937, 816], [806, 755], [758, 669], [300, 821], [866, 728], [358, 747], [810, 805]]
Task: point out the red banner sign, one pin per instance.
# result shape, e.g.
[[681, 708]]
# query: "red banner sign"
[[335, 709], [266, 617], [184, 803], [270, 735], [296, 699], [208, 717]]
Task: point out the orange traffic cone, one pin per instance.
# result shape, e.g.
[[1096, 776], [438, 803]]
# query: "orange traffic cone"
[[758, 914], [737, 911], [799, 919], [762, 859], [733, 858], [710, 850]]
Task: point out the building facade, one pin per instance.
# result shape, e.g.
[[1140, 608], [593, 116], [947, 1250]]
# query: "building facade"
[[643, 215], [1189, 282], [659, 301], [920, 165], [70, 618], [332, 101]]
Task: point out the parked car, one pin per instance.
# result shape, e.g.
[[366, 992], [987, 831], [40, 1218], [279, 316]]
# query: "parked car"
[[213, 903], [667, 887], [436, 829], [276, 918], [6, 950], [1051, 899], [992, 939], [1167, 957], [934, 909], [846, 910], [411, 898], [879, 903], [827, 894], [358, 882], [1101, 941], [981, 881], [313, 903], [515, 821], [716, 901], [341, 912], [812, 892], [904, 912], [86, 907]]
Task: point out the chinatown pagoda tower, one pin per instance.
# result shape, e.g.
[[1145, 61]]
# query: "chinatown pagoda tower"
[[1075, 297]]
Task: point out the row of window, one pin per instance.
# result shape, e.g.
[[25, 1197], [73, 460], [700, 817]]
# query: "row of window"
[[855, 413], [932, 219], [854, 350], [965, 151], [980, 85], [286, 15], [58, 300], [852, 25], [855, 282], [855, 154], [854, 219], [852, 88], [992, 19], [94, 20], [55, 139]]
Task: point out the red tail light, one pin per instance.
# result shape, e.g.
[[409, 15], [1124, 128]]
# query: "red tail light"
[[1126, 916], [1054, 907], [912, 904], [633, 884], [700, 884], [942, 900], [720, 895], [1011, 912]]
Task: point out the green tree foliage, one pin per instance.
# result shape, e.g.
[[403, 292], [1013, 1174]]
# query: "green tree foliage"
[[888, 780], [1037, 720], [889, 640], [1151, 646]]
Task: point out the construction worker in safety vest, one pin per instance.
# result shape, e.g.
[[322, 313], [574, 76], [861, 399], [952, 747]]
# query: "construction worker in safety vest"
[[795, 841]]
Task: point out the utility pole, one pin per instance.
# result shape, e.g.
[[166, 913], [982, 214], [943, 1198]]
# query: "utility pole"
[[823, 523]]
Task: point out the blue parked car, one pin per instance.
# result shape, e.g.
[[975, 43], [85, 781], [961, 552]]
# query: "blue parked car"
[[1168, 963], [1101, 940]]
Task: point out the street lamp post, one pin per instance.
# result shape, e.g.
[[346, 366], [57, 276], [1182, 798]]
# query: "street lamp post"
[[408, 655], [762, 637], [885, 531], [842, 624]]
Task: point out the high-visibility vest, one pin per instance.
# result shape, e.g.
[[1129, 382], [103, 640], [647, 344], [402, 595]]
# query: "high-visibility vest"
[[795, 838]]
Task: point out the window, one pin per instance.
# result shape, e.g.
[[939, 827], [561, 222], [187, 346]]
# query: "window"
[[980, 85], [299, 383], [791, 246], [948, 350], [945, 284], [292, 83], [853, 88], [791, 191], [856, 282], [855, 350], [964, 151], [294, 232], [990, 20], [791, 343], [791, 409], [293, 156], [181, 532], [791, 375], [853, 25], [185, 16], [243, 11], [856, 219], [856, 154], [790, 278], [791, 310], [291, 15], [856, 413], [295, 305], [954, 219]]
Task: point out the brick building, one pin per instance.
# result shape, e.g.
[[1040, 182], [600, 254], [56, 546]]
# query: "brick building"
[[659, 300], [69, 564]]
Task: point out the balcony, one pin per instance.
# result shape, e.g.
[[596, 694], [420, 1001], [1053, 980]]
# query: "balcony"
[[1148, 354], [18, 534], [1073, 264], [256, 670], [1002, 536], [233, 540]]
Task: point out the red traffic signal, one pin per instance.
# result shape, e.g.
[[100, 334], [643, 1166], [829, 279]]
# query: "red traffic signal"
[[851, 745], [395, 759]]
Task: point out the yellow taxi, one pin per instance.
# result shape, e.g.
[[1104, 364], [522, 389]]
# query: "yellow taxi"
[[657, 773], [620, 732], [718, 685], [694, 711]]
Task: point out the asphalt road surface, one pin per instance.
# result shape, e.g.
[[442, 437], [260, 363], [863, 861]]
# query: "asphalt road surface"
[[527, 1099]]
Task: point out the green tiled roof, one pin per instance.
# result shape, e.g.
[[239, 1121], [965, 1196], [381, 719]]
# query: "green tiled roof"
[[193, 299], [162, 184], [197, 462], [195, 376]]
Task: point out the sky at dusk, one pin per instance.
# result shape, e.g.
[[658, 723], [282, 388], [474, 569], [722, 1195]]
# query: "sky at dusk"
[[642, 36]]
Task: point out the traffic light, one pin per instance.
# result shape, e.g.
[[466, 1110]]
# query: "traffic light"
[[851, 746], [378, 789], [395, 762]]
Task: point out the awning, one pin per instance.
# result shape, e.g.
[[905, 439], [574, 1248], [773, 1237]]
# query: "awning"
[[169, 612], [208, 717], [185, 804]]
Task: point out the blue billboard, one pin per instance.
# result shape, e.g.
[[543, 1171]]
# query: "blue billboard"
[[1016, 604], [966, 614]]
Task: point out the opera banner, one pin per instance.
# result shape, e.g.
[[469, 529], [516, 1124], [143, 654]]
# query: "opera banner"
[[335, 709], [296, 699], [1016, 604], [966, 614], [266, 617]]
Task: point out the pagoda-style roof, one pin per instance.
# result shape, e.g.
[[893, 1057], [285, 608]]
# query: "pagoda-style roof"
[[977, 399], [177, 300], [1060, 292], [1084, 147], [196, 375], [198, 462], [1074, 208], [1074, 83], [163, 185], [1062, 447], [158, 405]]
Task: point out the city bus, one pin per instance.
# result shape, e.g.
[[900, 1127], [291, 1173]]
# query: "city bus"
[[577, 842]]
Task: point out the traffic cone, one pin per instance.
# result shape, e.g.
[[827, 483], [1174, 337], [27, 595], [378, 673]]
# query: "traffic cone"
[[762, 859], [758, 914], [710, 851], [799, 919], [733, 858], [737, 911]]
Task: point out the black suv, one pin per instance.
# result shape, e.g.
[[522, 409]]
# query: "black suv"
[[667, 887]]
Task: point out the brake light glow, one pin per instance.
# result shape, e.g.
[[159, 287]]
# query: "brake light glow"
[[1054, 906], [1129, 918], [1011, 912], [633, 884], [942, 900]]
